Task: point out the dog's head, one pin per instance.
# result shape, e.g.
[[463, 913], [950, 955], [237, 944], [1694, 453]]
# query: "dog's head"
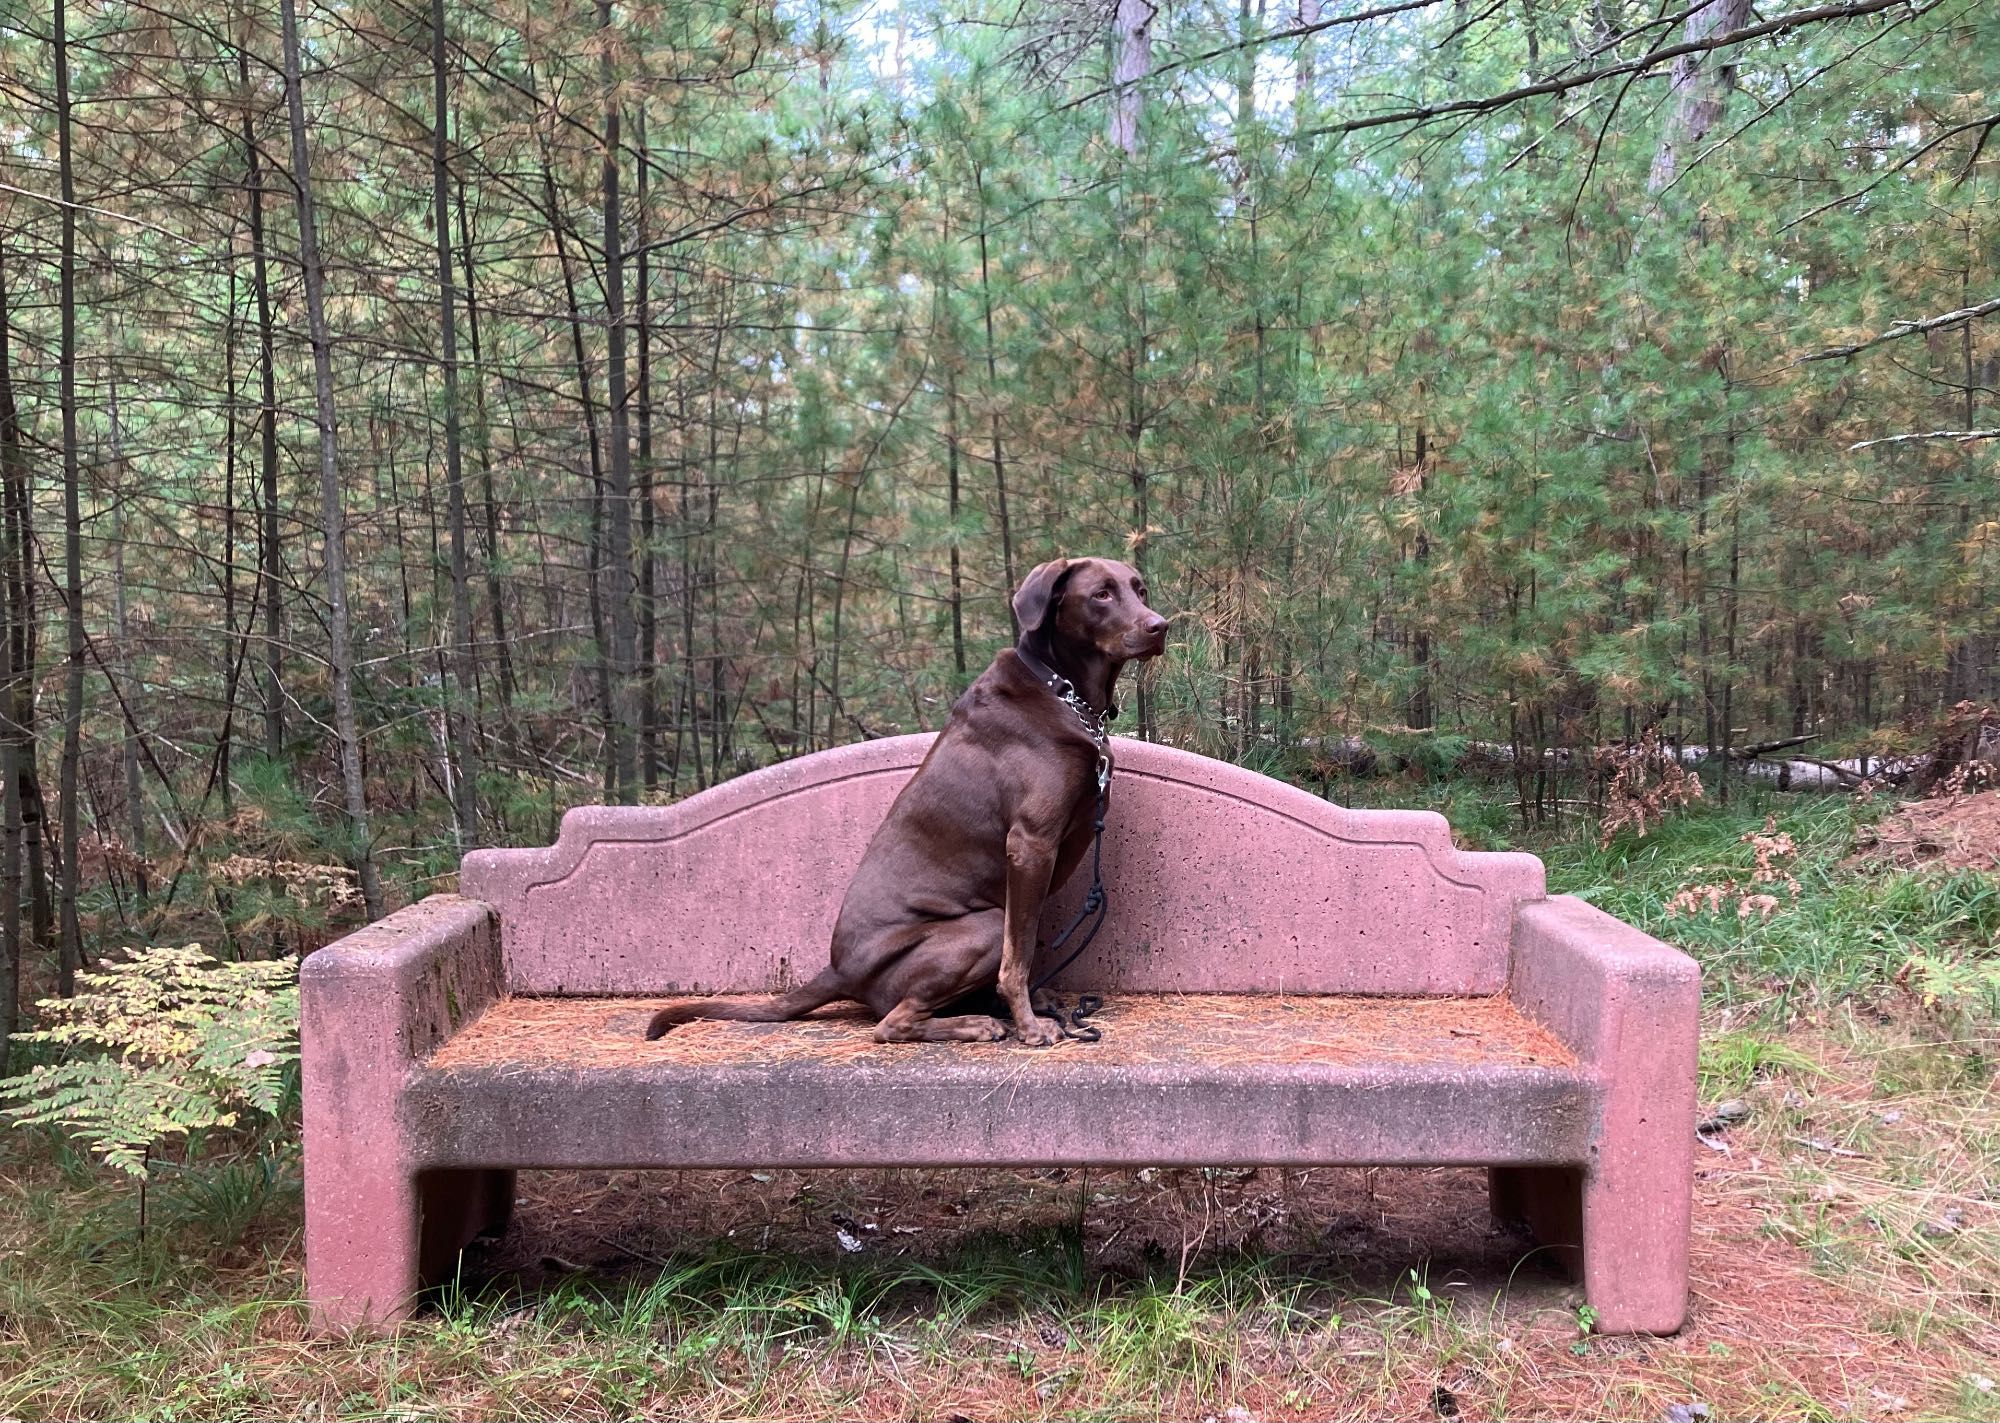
[[1091, 602]]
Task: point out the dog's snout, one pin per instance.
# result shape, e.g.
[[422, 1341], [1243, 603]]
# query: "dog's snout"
[[1155, 626]]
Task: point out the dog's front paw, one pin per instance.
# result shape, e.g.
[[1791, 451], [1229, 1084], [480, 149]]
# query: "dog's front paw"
[[1038, 1032]]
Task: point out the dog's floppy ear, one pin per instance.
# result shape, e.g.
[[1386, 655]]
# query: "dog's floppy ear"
[[1037, 593]]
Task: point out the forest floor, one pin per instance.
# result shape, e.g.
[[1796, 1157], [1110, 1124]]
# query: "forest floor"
[[1846, 1254]]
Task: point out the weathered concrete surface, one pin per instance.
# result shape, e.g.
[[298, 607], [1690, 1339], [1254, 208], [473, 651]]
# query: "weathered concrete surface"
[[1221, 881], [991, 1110], [370, 1008], [1178, 1079], [1629, 1007]]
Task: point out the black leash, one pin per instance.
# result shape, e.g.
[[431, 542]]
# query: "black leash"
[[1096, 904]]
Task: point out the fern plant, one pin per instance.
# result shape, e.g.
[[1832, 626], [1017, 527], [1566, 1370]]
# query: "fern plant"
[[171, 1042]]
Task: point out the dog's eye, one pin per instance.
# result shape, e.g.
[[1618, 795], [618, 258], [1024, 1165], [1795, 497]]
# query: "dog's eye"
[[1103, 593]]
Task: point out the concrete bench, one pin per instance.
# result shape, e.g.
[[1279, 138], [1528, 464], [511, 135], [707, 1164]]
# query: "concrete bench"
[[1288, 983]]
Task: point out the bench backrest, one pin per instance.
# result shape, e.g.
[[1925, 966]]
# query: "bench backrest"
[[1220, 880]]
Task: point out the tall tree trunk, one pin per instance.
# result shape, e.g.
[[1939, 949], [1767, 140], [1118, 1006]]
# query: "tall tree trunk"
[[992, 394], [952, 491], [236, 654], [341, 654], [72, 752], [1248, 12], [1303, 106], [16, 752], [269, 549], [722, 712], [1732, 594], [618, 552], [465, 672], [595, 581], [482, 444], [1132, 26], [23, 655], [128, 753], [833, 702], [646, 669], [1700, 88], [690, 569], [1421, 712]]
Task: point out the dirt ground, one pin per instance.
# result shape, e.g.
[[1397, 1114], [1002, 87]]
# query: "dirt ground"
[[1790, 1317], [1959, 832]]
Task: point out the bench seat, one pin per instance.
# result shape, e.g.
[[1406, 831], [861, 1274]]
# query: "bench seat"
[[1185, 1079]]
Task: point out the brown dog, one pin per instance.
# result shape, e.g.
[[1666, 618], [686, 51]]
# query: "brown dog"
[[950, 890]]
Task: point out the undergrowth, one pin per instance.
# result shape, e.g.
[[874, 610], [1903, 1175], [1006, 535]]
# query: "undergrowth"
[[1845, 1249]]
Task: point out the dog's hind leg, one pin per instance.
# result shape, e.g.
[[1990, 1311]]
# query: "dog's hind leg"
[[908, 1023], [956, 958]]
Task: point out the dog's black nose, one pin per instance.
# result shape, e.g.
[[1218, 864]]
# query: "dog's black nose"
[[1157, 627]]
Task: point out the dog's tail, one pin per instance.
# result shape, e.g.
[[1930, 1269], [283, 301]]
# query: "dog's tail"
[[796, 1004]]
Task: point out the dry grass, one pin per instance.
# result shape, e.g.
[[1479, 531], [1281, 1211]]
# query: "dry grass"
[[1846, 1264], [1949, 832]]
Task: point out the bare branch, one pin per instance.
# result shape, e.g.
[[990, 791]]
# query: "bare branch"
[[1650, 60], [56, 202], [1295, 32], [1891, 171], [1899, 329], [1963, 437]]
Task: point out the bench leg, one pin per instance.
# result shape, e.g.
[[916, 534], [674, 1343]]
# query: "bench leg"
[[458, 1208], [1548, 1200], [373, 1244], [497, 1202], [363, 1243], [1630, 1246]]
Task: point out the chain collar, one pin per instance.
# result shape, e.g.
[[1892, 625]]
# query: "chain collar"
[[1096, 725]]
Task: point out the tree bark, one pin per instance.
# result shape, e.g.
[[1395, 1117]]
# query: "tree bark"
[[465, 671], [596, 543], [1700, 88], [23, 653], [15, 749], [1133, 40], [237, 653], [128, 751], [1303, 106], [72, 752], [951, 459], [341, 654], [992, 382], [269, 549], [496, 605], [624, 716], [646, 669]]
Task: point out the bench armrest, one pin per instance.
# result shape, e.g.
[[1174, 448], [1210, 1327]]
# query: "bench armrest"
[[1629, 1007], [372, 1006], [1615, 995], [387, 995]]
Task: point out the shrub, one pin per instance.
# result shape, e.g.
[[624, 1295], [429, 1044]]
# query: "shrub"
[[166, 1043]]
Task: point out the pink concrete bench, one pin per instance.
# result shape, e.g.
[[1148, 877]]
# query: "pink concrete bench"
[[1288, 983]]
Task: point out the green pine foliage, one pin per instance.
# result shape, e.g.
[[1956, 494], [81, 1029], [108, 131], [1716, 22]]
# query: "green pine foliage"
[[1452, 428]]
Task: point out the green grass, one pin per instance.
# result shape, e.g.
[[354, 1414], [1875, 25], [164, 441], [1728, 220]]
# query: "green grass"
[[1854, 1240], [1847, 933]]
